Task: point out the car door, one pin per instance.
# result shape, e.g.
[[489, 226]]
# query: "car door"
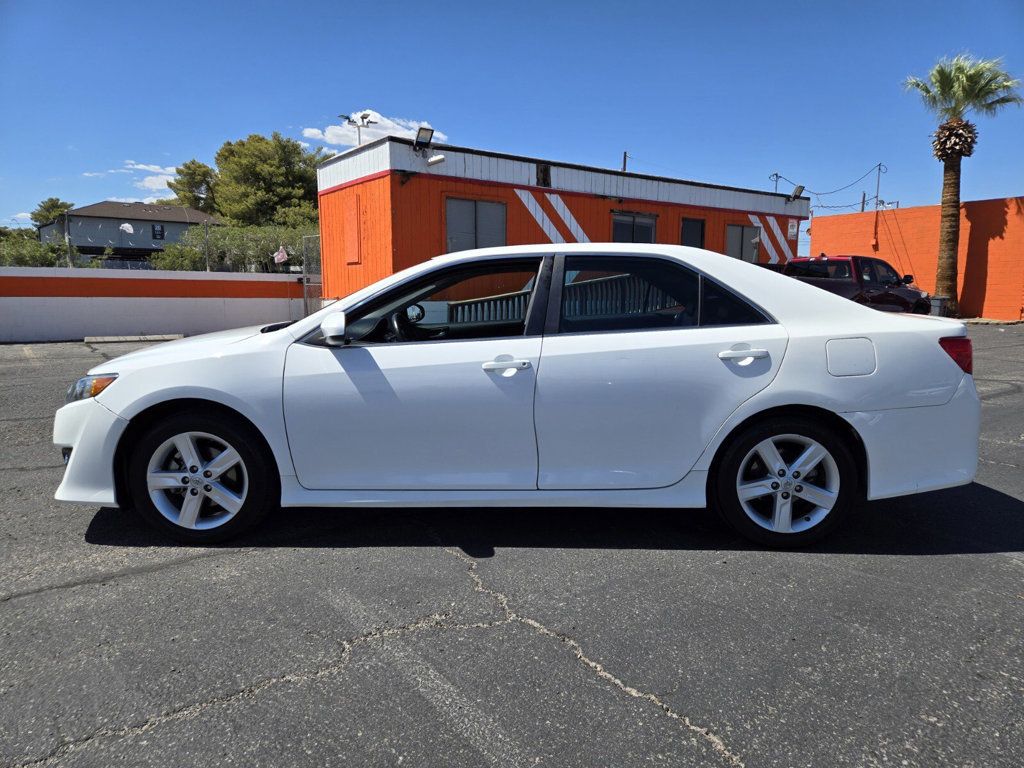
[[893, 296], [434, 391], [643, 362], [872, 290]]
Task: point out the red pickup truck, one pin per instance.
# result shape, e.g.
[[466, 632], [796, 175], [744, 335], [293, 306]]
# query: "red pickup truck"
[[863, 279]]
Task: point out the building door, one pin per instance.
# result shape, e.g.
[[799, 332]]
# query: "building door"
[[743, 242], [473, 224]]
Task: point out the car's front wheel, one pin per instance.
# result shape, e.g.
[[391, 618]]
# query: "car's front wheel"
[[786, 482], [202, 478]]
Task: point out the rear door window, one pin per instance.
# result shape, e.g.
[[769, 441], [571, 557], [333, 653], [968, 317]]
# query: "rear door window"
[[602, 293]]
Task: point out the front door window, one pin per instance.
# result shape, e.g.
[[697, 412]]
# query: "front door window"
[[475, 302]]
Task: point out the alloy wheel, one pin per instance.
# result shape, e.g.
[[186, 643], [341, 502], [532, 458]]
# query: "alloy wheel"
[[197, 480], [788, 483]]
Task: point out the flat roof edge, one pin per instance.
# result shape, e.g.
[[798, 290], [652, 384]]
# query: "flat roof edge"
[[555, 163]]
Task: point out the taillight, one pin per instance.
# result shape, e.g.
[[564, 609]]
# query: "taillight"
[[959, 348]]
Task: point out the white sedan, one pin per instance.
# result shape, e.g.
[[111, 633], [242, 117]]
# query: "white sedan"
[[587, 375]]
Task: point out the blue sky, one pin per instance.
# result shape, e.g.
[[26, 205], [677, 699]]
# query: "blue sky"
[[103, 99]]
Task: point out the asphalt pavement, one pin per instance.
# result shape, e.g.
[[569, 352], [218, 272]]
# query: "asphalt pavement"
[[510, 637]]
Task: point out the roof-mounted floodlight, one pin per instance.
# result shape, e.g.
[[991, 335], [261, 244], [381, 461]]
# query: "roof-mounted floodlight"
[[424, 136]]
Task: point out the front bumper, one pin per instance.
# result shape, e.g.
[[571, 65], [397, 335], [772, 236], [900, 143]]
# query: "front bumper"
[[91, 432], [911, 450]]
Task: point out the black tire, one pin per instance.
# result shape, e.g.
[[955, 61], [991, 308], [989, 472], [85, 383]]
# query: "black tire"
[[724, 496], [263, 492]]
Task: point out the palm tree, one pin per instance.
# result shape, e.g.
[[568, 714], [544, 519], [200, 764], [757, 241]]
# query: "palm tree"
[[955, 87]]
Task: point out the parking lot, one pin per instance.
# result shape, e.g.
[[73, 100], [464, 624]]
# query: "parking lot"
[[510, 637]]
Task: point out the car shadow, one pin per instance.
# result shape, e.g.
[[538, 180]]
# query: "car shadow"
[[966, 520]]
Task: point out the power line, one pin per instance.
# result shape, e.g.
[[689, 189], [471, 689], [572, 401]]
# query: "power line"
[[847, 205], [876, 167]]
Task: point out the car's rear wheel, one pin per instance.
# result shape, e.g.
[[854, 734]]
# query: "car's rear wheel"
[[202, 478], [786, 482]]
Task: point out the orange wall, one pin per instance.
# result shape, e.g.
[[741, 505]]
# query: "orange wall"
[[991, 257], [403, 223], [355, 236]]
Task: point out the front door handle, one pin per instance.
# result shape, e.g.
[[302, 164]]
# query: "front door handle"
[[504, 365], [742, 354]]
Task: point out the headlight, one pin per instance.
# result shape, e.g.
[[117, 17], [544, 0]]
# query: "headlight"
[[89, 386]]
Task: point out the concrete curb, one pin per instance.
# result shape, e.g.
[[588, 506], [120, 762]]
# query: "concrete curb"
[[985, 321], [113, 339]]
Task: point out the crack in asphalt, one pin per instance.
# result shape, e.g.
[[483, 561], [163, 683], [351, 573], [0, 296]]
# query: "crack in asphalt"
[[433, 621], [103, 578], [194, 709], [33, 468], [716, 743], [92, 348]]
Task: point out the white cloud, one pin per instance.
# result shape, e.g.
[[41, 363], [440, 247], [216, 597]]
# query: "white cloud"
[[304, 144], [22, 217], [156, 183], [346, 135], [131, 165]]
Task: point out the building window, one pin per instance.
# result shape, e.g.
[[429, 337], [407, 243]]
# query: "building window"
[[693, 233], [543, 174], [632, 228], [158, 231], [742, 242], [474, 224]]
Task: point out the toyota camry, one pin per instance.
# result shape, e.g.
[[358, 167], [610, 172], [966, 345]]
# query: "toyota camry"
[[578, 375]]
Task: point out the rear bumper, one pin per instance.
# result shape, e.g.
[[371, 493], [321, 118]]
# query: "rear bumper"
[[910, 450], [91, 432]]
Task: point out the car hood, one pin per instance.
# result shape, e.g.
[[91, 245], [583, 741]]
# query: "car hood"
[[204, 345]]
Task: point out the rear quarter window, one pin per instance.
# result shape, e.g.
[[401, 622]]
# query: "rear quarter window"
[[720, 306]]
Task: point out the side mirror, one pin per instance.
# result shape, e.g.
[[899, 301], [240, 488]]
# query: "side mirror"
[[908, 279], [333, 329]]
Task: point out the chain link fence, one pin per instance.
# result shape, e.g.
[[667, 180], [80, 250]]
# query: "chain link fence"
[[312, 276]]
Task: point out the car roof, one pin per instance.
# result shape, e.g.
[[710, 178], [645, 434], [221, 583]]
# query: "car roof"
[[825, 258], [788, 300]]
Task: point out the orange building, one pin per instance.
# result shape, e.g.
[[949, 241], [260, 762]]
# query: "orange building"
[[387, 205], [991, 258]]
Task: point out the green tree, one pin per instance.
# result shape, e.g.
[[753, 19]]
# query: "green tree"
[[50, 209], [301, 213], [195, 185], [954, 88], [258, 176], [19, 247]]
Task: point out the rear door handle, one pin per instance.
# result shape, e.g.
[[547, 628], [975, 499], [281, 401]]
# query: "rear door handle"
[[742, 354], [504, 365]]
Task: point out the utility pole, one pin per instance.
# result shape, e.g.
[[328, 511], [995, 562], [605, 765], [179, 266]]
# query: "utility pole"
[[863, 201], [67, 237], [775, 177], [878, 183], [624, 157]]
